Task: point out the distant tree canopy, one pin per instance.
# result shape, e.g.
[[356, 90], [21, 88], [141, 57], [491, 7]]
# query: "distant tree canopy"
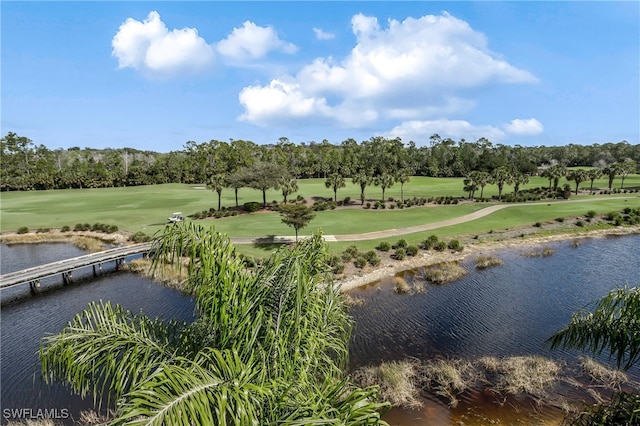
[[27, 166]]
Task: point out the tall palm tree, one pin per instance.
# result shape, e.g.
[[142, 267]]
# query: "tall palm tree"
[[626, 168], [611, 171], [578, 176], [592, 175], [500, 176], [288, 186], [363, 179], [216, 183], [517, 179], [384, 181], [269, 346], [335, 181], [482, 179], [403, 177]]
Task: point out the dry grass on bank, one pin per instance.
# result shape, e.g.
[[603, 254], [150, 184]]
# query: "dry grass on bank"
[[448, 377], [401, 381], [487, 261], [397, 381], [531, 375], [539, 252], [602, 375], [443, 273], [170, 275]]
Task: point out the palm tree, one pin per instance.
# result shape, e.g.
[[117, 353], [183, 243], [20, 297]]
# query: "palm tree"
[[578, 176], [517, 179], [614, 328], [363, 179], [216, 183], [592, 175], [335, 181], [626, 168], [268, 346], [384, 181], [554, 173], [482, 179], [403, 177], [500, 176], [288, 186], [611, 171]]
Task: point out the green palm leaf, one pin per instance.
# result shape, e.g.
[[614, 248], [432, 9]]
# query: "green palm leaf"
[[107, 348]]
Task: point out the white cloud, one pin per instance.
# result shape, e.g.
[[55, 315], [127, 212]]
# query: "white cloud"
[[409, 70], [529, 126], [417, 131], [149, 46], [322, 35], [252, 42]]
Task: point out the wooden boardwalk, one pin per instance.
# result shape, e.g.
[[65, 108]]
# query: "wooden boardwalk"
[[65, 267]]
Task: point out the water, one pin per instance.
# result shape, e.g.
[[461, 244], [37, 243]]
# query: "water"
[[25, 322], [505, 310]]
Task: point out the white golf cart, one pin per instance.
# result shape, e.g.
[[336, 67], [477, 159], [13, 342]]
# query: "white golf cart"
[[176, 217]]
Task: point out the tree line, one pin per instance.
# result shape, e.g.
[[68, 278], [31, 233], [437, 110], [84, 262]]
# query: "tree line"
[[240, 163]]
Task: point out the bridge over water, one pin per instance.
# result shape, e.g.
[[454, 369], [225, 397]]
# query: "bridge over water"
[[65, 267]]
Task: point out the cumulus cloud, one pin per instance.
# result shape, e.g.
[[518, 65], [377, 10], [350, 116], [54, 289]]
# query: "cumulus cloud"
[[149, 46], [322, 35], [456, 129], [252, 42], [407, 70], [529, 126]]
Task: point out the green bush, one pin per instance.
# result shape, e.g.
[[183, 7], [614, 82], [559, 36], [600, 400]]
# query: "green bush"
[[411, 250], [384, 246], [372, 258], [402, 243], [338, 268], [23, 230], [399, 254], [455, 245], [140, 237], [251, 206], [440, 246], [42, 230], [430, 242], [360, 262], [65, 228], [591, 214]]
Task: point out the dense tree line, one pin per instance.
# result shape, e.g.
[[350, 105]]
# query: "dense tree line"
[[239, 163]]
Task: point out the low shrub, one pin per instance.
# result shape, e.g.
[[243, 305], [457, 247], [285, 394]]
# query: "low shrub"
[[251, 206], [440, 246], [384, 246], [65, 228], [372, 258], [360, 262], [399, 254], [483, 262], [140, 237], [429, 242], [444, 273], [411, 250], [338, 268], [42, 230], [591, 214], [559, 219], [402, 243], [22, 230], [455, 245]]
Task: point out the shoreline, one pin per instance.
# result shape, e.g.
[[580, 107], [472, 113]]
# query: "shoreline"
[[389, 267]]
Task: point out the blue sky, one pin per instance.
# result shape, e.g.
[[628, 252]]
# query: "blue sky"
[[154, 75]]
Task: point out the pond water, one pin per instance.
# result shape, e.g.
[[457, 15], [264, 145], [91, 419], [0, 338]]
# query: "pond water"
[[25, 322], [506, 310]]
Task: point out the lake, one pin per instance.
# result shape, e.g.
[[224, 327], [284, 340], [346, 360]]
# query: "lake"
[[505, 310]]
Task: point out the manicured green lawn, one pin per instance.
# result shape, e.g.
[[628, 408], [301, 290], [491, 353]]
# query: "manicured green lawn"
[[146, 208]]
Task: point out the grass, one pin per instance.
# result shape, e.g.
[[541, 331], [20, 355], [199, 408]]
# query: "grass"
[[397, 381], [448, 377], [483, 262], [601, 375], [531, 375], [146, 209], [401, 286], [444, 272]]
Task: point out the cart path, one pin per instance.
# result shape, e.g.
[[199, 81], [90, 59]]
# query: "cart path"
[[387, 233]]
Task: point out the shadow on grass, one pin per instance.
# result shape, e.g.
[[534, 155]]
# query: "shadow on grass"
[[267, 243]]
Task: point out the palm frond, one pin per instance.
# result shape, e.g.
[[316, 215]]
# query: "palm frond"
[[613, 326], [106, 348], [217, 388]]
